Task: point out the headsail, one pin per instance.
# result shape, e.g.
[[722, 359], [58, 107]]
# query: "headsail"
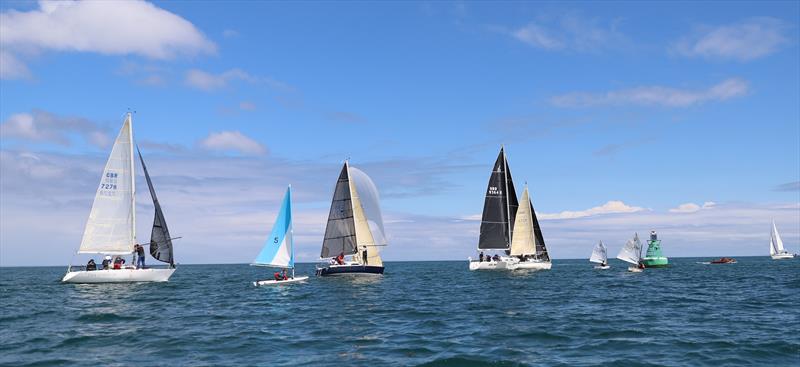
[[632, 251], [367, 217], [340, 232], [499, 207], [523, 242], [776, 243], [541, 248], [599, 254], [279, 247], [160, 240], [111, 228]]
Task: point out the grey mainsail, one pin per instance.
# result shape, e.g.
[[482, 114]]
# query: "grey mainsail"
[[499, 208], [340, 232], [160, 241]]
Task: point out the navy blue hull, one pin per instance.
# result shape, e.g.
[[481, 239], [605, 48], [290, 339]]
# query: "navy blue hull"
[[352, 269]]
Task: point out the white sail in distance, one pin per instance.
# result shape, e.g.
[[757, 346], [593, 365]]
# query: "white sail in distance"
[[111, 227], [599, 254], [775, 241], [632, 251], [523, 241]]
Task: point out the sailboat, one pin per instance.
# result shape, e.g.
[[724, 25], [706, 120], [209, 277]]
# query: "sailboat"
[[278, 251], [497, 221], [776, 250], [528, 250], [632, 253], [600, 256], [355, 227], [111, 227]]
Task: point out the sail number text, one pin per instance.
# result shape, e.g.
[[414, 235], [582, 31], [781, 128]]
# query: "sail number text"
[[108, 185], [495, 191]]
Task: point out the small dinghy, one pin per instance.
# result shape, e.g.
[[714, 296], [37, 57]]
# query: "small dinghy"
[[111, 227], [723, 260], [278, 251], [632, 253], [776, 250], [600, 256], [355, 227]]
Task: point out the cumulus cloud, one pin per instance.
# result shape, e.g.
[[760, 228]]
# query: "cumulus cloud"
[[233, 141], [611, 207], [107, 27], [655, 96], [569, 33], [42, 126], [692, 207], [747, 40]]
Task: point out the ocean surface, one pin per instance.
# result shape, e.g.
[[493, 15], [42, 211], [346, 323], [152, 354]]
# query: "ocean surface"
[[418, 313]]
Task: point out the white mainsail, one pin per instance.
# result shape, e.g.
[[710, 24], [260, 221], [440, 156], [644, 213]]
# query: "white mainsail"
[[111, 228], [775, 241], [522, 240], [599, 254], [632, 251], [367, 217]]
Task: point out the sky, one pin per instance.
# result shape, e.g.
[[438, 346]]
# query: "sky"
[[622, 117]]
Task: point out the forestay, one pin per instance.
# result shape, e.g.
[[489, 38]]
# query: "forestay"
[[632, 251], [279, 248], [499, 208], [111, 228], [160, 241], [599, 254], [340, 232]]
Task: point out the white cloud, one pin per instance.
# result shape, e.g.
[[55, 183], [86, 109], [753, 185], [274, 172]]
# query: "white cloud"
[[11, 67], [233, 141], [107, 27], [692, 207], [41, 126], [655, 96], [611, 207], [570, 33], [747, 40], [207, 81]]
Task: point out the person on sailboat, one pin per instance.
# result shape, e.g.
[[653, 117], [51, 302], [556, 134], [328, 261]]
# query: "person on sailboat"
[[91, 265], [106, 262], [140, 256], [119, 262], [340, 259], [364, 256]]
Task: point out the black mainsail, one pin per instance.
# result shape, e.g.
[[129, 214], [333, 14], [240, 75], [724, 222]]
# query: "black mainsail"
[[160, 241], [340, 232], [541, 249], [499, 208]]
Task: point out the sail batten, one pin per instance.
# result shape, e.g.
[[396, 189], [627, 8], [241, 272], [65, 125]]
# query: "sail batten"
[[499, 208], [160, 240], [278, 250], [111, 226]]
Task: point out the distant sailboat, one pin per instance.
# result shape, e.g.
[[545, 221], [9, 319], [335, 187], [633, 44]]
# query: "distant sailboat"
[[632, 253], [528, 250], [278, 251], [111, 228], [497, 221], [600, 256], [776, 250], [355, 227]]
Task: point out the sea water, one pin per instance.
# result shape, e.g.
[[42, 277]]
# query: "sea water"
[[435, 313]]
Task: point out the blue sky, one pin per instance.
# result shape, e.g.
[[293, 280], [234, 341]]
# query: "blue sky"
[[622, 117]]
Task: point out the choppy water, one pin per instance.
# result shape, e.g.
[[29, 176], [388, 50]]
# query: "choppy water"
[[437, 313]]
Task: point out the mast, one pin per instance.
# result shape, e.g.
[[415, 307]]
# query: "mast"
[[508, 203], [133, 181]]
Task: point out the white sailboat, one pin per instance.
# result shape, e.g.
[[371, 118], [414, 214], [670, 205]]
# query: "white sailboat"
[[355, 227], [497, 221], [632, 253], [278, 251], [528, 250], [600, 256], [111, 227], [776, 250]]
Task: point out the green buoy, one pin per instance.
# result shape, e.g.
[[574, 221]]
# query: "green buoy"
[[654, 258]]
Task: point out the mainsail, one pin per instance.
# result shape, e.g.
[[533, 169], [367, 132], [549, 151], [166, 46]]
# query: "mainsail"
[[111, 228], [340, 232], [160, 241], [279, 248], [632, 251], [499, 207], [775, 241], [523, 242], [599, 254], [541, 248]]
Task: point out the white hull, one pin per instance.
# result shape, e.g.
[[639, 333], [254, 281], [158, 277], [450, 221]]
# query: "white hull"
[[634, 269], [783, 256], [280, 282], [530, 265], [602, 267], [119, 276], [488, 265]]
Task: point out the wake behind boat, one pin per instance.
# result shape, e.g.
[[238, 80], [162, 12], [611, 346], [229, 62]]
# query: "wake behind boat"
[[355, 227], [600, 256], [278, 251], [776, 250], [111, 227]]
